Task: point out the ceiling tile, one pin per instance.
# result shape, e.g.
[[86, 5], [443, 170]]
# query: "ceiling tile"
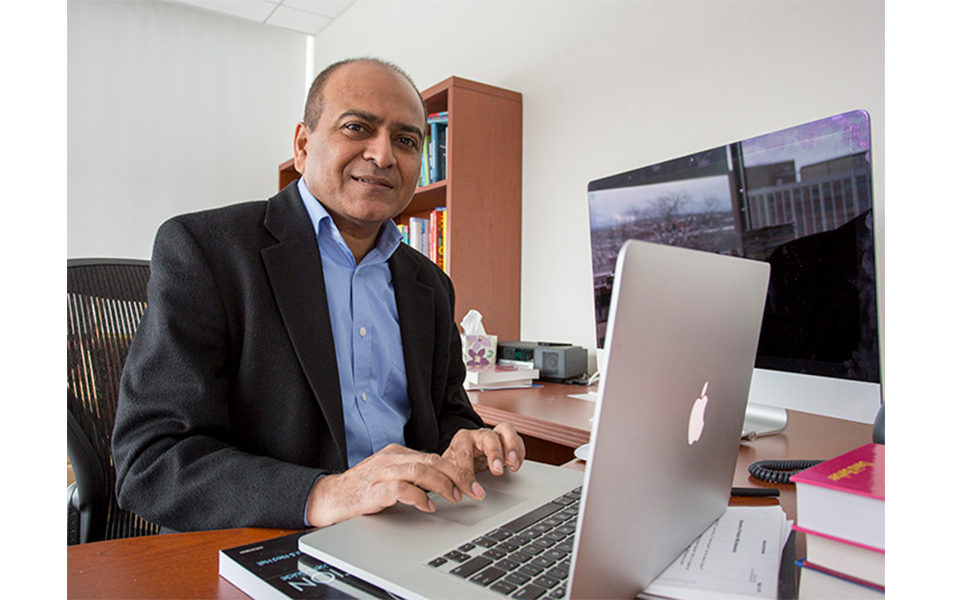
[[328, 8], [254, 10], [298, 20]]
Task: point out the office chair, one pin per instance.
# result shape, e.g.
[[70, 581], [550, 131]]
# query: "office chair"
[[105, 302]]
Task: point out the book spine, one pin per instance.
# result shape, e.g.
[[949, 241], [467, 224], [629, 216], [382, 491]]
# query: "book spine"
[[432, 237], [434, 145], [425, 163], [441, 237], [805, 564], [809, 531]]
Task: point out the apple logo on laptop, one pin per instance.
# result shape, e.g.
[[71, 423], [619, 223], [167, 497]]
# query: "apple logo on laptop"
[[695, 428]]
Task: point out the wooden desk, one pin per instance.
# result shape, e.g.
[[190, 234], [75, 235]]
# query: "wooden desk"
[[185, 565], [552, 423]]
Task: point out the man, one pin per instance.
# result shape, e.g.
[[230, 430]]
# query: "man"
[[298, 365]]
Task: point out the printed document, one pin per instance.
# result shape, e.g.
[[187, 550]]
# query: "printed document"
[[736, 557]]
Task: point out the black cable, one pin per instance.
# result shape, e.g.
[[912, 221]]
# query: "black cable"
[[779, 471]]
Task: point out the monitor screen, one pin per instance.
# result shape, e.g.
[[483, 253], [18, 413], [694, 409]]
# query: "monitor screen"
[[800, 199]]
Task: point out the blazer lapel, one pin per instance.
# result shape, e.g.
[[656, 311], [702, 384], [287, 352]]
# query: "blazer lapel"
[[296, 278]]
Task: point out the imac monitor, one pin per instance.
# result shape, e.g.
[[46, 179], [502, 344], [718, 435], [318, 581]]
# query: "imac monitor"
[[801, 199]]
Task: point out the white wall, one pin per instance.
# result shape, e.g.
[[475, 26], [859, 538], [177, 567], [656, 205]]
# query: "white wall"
[[613, 85], [171, 110]]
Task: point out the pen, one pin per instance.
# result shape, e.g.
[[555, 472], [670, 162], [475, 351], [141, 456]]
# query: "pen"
[[755, 492]]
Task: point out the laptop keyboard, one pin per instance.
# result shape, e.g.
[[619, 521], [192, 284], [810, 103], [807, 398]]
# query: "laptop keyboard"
[[527, 558]]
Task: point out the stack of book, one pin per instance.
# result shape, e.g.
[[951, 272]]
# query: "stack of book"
[[499, 377], [433, 160], [428, 235], [840, 508]]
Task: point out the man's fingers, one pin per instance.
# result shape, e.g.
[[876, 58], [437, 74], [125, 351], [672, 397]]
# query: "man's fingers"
[[433, 473], [513, 447], [487, 443]]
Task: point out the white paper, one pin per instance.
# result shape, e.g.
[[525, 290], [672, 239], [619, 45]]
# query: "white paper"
[[737, 556]]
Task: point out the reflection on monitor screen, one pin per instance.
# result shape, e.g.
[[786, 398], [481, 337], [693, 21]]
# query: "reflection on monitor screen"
[[801, 199]]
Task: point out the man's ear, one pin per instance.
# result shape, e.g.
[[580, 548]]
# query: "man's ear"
[[300, 144]]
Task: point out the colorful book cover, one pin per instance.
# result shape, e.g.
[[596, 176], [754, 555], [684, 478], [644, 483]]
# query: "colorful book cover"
[[859, 471], [844, 497]]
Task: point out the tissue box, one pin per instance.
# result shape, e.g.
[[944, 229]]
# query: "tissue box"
[[479, 350]]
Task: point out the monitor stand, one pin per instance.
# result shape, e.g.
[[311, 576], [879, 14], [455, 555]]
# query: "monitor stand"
[[761, 419]]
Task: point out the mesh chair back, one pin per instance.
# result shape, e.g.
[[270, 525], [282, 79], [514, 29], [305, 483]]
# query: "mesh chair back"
[[105, 302]]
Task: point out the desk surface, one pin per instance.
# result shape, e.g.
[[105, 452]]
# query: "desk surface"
[[185, 565]]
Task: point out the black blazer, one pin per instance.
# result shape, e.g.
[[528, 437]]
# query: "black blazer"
[[230, 401]]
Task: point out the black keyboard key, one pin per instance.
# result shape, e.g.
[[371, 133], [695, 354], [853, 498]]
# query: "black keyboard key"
[[507, 565], [472, 566], [559, 593], [530, 592], [522, 539], [544, 543], [558, 573], [485, 542], [543, 562], [487, 576], [531, 570], [556, 554], [520, 557], [437, 562], [466, 547], [521, 523], [546, 582], [500, 534], [456, 556], [503, 587], [518, 578], [495, 553]]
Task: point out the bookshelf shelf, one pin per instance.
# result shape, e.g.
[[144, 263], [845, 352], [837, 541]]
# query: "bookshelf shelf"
[[482, 197]]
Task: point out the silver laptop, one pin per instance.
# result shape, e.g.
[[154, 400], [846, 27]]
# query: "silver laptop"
[[682, 342]]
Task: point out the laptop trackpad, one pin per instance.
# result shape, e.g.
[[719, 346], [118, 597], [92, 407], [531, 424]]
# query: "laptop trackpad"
[[471, 512]]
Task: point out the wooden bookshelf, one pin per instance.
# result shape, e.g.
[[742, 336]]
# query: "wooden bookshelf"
[[482, 198]]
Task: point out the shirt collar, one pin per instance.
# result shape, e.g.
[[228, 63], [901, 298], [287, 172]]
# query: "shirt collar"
[[388, 240]]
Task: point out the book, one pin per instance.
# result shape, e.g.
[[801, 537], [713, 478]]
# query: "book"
[[818, 583], [441, 235], [844, 497], [277, 569], [500, 375], [500, 385], [853, 560], [508, 362]]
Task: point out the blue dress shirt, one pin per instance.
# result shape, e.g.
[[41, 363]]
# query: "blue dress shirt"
[[366, 334]]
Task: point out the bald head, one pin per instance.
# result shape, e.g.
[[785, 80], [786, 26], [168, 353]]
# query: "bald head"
[[314, 104]]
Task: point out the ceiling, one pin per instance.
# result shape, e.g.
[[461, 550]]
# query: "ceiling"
[[304, 16]]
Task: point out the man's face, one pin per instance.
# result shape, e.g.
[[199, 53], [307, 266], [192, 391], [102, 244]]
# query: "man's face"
[[362, 160]]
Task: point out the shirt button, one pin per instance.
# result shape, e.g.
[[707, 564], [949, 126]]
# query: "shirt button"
[[363, 332], [363, 396]]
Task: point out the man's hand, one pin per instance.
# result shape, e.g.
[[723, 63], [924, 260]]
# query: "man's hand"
[[394, 474], [477, 450]]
